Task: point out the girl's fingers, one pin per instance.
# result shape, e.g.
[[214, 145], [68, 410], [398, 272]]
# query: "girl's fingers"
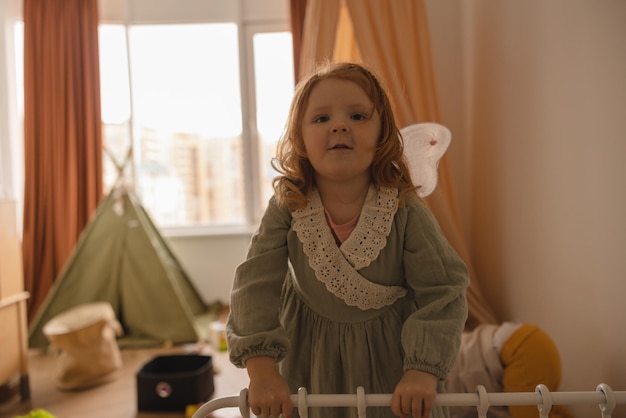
[[417, 407], [414, 406], [396, 408], [272, 411], [275, 411]]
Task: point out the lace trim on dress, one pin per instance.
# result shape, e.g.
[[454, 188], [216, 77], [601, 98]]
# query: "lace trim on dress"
[[337, 267]]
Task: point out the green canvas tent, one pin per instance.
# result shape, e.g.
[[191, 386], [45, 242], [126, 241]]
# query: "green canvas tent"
[[121, 258]]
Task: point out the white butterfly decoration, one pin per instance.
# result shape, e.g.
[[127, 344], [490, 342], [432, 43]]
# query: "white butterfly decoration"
[[424, 145]]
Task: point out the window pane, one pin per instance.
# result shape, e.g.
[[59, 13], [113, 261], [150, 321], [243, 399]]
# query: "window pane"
[[18, 33], [115, 102], [274, 82], [187, 122]]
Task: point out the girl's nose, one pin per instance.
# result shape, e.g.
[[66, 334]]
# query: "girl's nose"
[[339, 128]]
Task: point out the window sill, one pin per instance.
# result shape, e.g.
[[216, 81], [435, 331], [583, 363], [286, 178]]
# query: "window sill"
[[207, 231]]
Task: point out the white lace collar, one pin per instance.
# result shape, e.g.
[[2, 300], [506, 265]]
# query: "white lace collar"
[[337, 267]]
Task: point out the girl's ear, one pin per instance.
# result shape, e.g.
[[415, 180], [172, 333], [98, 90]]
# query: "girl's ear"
[[424, 145]]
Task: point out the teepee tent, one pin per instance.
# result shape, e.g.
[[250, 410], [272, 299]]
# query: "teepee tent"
[[122, 259]]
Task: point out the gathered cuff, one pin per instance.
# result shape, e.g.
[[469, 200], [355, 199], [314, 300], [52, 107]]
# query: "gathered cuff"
[[276, 352], [435, 370]]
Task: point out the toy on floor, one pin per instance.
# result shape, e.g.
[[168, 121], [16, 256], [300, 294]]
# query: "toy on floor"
[[37, 413], [191, 409], [510, 357]]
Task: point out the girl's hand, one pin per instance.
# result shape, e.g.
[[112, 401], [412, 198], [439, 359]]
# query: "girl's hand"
[[414, 394], [268, 393]]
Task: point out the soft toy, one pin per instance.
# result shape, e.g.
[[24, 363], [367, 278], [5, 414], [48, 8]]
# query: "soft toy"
[[510, 357]]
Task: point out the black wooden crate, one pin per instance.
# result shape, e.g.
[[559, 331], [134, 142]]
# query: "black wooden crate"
[[171, 382]]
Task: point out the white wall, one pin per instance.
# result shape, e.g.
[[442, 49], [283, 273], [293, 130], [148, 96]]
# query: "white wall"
[[537, 90], [210, 261]]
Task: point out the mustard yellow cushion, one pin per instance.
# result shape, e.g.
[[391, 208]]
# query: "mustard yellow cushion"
[[530, 357]]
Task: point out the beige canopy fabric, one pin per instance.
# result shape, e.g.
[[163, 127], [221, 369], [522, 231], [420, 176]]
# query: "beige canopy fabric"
[[392, 37], [122, 259]]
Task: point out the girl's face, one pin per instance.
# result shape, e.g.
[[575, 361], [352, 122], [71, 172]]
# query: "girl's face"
[[341, 131]]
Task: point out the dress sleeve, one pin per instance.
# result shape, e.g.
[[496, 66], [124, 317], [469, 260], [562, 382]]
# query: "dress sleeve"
[[253, 327], [438, 278]]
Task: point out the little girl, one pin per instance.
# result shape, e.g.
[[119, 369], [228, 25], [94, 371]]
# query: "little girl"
[[348, 280]]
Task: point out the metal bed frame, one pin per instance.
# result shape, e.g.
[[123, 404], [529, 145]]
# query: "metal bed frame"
[[606, 399]]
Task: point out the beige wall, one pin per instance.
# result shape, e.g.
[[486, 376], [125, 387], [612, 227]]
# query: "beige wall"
[[535, 93]]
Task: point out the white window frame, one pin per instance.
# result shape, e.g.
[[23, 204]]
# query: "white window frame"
[[11, 126], [256, 207]]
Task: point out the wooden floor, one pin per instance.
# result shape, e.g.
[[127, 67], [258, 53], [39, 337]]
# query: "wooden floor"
[[118, 398]]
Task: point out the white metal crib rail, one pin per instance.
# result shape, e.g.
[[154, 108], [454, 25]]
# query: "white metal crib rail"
[[606, 399]]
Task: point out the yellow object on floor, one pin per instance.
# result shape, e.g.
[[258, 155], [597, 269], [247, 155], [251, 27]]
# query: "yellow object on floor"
[[37, 413], [191, 409]]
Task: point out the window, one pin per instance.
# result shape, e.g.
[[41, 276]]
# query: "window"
[[172, 101], [194, 99], [273, 96]]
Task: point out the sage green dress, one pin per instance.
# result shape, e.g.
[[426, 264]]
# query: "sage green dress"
[[388, 299]]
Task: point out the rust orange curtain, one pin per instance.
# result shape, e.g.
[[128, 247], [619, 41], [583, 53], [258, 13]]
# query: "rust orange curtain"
[[62, 135], [393, 38]]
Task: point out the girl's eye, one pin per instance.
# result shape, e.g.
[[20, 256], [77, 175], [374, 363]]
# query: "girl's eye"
[[321, 119], [358, 116]]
